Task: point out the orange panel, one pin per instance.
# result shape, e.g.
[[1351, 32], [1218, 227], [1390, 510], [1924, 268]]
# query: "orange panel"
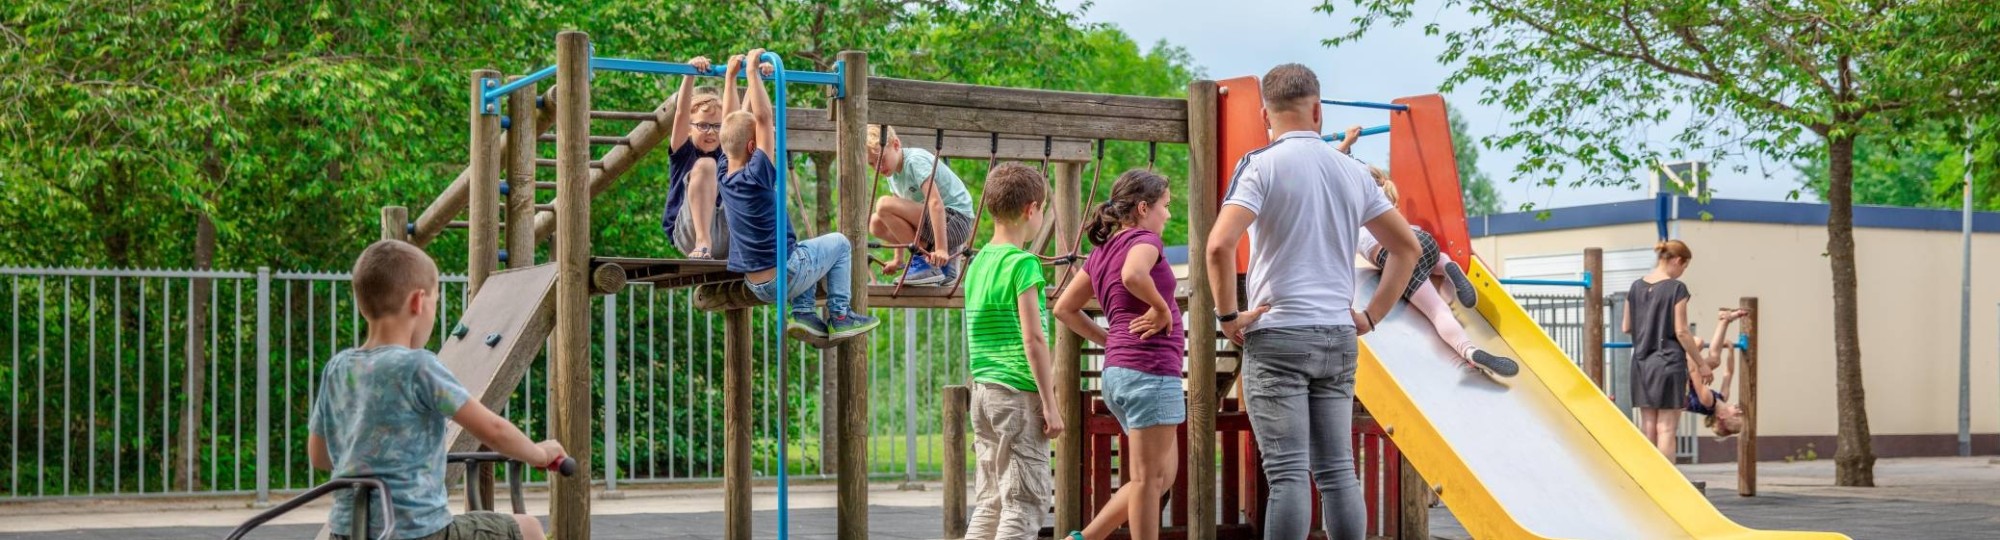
[[1240, 129], [1426, 174]]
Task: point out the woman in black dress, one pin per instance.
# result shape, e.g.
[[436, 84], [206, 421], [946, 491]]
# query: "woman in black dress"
[[1656, 318]]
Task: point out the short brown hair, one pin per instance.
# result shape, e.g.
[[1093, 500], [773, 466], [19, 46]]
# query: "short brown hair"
[[386, 272], [705, 99], [1288, 88], [738, 129], [1010, 188]]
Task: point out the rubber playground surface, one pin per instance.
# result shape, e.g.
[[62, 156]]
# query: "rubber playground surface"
[[1932, 498]]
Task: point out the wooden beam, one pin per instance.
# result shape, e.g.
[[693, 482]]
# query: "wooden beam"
[[607, 278], [395, 223], [957, 401], [1027, 122], [569, 357], [636, 116], [520, 155], [1415, 514], [736, 424], [1022, 99], [1202, 403], [482, 238], [1593, 317], [1746, 397], [452, 201], [852, 115], [1068, 354], [957, 144]]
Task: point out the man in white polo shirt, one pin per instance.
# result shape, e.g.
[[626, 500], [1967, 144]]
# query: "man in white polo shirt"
[[1304, 205]]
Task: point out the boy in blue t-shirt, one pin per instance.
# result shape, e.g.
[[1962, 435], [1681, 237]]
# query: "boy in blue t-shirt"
[[382, 407], [747, 137]]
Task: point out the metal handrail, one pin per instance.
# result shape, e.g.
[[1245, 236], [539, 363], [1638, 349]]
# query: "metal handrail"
[[358, 518]]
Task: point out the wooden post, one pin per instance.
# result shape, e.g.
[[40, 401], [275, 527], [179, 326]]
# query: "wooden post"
[[736, 424], [851, 134], [957, 401], [395, 223], [1416, 505], [482, 238], [520, 157], [1593, 317], [1746, 397], [569, 365], [1068, 358], [1202, 403]]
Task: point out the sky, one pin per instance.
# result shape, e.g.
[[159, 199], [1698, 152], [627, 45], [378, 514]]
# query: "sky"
[[1247, 37]]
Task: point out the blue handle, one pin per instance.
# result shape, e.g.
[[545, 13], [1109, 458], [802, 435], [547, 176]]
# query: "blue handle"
[[1335, 137], [1366, 104]]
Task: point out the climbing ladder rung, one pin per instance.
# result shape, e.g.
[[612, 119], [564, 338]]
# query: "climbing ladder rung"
[[467, 225], [624, 115], [545, 162], [594, 139]]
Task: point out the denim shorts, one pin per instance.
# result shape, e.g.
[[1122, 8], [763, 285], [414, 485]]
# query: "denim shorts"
[[1142, 400]]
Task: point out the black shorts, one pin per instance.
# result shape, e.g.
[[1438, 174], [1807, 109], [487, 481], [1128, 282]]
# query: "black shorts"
[[1425, 263]]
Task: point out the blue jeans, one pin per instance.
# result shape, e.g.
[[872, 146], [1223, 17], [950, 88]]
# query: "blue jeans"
[[1300, 383], [822, 259]]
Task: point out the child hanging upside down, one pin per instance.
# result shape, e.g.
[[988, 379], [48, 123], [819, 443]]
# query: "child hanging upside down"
[[928, 202], [1425, 298], [1721, 416], [747, 137]]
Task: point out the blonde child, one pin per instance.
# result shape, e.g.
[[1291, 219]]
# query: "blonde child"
[[1426, 299], [382, 406], [928, 202], [1143, 348]]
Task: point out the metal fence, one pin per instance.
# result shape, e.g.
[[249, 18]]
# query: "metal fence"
[[125, 382], [1562, 316]]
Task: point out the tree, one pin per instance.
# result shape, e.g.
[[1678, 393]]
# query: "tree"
[[1481, 198], [1785, 80], [1921, 167]]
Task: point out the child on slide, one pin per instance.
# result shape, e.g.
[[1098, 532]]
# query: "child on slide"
[[1426, 299], [1455, 282], [1143, 347], [1721, 416]]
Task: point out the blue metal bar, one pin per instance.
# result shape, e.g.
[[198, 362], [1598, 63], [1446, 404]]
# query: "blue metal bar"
[[783, 162], [491, 98], [1580, 283], [1617, 345], [1742, 342], [1367, 104], [1336, 137]]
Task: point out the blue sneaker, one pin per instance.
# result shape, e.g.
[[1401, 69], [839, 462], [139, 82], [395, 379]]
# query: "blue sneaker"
[[804, 325], [850, 324], [921, 272]]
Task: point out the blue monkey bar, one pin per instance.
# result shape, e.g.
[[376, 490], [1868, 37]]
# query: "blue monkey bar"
[[1367, 104], [495, 91], [1337, 137], [1580, 283]]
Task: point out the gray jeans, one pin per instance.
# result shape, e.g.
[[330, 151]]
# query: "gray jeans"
[[1300, 382]]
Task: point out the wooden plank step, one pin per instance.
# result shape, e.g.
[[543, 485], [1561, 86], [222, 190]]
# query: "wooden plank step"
[[594, 139], [545, 162], [635, 116]]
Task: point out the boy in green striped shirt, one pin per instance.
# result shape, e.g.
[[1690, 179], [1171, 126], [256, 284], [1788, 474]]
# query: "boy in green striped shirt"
[[1014, 411]]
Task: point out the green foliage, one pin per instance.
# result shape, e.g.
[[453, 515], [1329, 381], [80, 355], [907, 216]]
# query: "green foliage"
[[1923, 167], [1481, 198], [292, 123]]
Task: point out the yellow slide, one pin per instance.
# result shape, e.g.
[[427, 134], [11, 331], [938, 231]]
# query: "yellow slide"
[[1540, 455]]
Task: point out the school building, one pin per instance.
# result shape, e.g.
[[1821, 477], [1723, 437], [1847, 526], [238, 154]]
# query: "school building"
[[1909, 263]]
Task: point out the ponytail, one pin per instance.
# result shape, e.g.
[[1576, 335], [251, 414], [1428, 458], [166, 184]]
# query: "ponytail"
[[1673, 249], [1134, 190]]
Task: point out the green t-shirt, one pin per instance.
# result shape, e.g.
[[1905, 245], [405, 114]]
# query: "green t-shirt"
[[994, 281]]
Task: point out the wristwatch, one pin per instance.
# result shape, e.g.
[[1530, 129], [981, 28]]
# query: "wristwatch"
[[1222, 317]]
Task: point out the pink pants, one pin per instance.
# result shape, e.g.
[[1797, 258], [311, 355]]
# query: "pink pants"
[[1433, 307]]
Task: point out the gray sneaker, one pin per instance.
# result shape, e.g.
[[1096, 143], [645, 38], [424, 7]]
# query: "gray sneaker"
[[920, 272], [1467, 296], [850, 324], [805, 325], [1498, 365]]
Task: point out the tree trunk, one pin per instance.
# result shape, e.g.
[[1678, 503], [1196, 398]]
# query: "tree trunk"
[[197, 355], [1854, 459]]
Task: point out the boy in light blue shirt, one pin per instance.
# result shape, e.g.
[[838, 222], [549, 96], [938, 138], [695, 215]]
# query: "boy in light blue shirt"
[[382, 407], [928, 202]]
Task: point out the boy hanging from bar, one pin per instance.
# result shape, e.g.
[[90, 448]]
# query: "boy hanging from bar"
[[695, 163], [748, 137], [929, 202]]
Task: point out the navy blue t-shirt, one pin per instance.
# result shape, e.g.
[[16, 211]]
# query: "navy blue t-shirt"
[[753, 220], [679, 163]]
